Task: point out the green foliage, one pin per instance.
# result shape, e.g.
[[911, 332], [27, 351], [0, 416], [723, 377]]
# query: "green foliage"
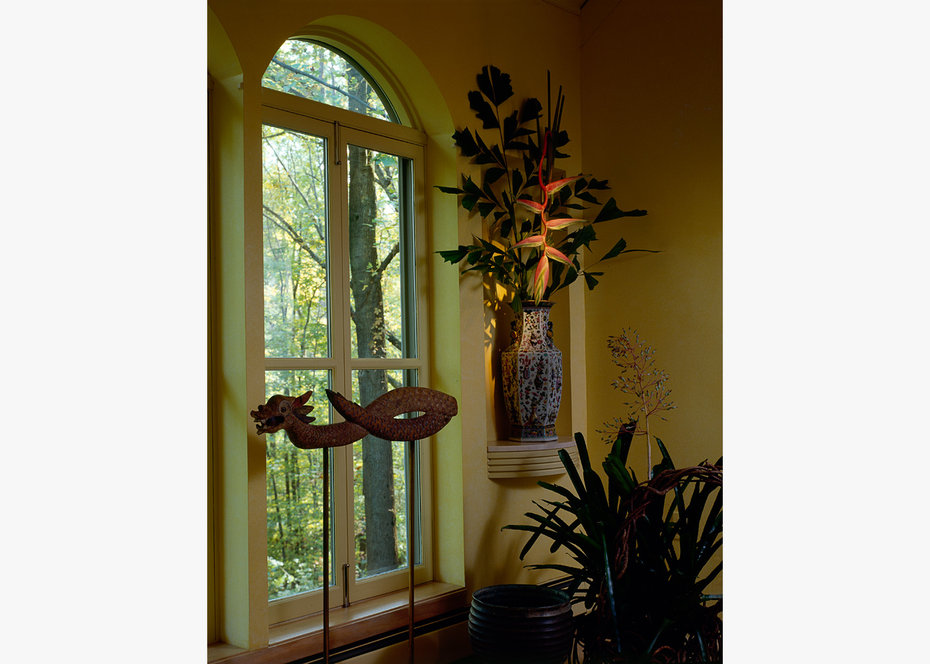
[[305, 69], [510, 167], [643, 551], [295, 497], [298, 323]]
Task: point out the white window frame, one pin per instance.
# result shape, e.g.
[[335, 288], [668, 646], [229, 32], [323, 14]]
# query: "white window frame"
[[340, 127]]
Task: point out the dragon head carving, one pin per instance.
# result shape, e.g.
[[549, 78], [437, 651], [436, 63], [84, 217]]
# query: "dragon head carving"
[[282, 412]]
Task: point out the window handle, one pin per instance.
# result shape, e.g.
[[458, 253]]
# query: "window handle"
[[345, 585]]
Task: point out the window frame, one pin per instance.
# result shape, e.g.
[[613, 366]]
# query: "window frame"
[[340, 127]]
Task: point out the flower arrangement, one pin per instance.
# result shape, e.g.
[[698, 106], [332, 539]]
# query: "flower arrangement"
[[534, 244]]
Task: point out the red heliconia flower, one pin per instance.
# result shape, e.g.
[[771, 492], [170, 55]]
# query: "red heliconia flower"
[[542, 278], [548, 224]]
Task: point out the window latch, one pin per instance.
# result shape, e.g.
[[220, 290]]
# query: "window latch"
[[345, 585]]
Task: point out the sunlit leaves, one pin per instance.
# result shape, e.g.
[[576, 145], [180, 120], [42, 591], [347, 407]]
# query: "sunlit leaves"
[[305, 69], [295, 288], [515, 205]]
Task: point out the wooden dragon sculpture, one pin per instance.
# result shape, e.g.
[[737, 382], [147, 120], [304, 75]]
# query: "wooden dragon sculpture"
[[378, 418]]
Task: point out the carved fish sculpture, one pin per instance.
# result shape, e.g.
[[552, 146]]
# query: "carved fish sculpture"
[[379, 418]]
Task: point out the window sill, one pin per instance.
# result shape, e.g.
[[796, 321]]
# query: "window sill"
[[303, 637]]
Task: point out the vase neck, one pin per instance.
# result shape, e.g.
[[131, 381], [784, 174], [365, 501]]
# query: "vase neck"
[[533, 327]]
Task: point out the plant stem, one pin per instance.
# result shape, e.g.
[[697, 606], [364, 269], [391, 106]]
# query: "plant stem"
[[648, 449]]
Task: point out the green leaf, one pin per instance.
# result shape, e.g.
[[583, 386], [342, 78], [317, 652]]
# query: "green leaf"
[[484, 209], [530, 109], [483, 110], [517, 180], [571, 571], [589, 197], [666, 457], [714, 518], [582, 451], [506, 226], [510, 129], [493, 174], [469, 186], [529, 168], [449, 190], [454, 255], [573, 472], [494, 84], [490, 246], [466, 143], [611, 211], [590, 280], [485, 156], [557, 488], [584, 236], [560, 138], [616, 250], [539, 531]]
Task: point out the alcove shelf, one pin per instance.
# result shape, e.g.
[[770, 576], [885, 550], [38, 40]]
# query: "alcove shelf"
[[509, 459]]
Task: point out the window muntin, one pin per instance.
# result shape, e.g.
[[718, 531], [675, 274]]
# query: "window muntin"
[[326, 140]]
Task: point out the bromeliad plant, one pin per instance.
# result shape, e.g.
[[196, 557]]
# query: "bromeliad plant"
[[643, 551], [534, 243]]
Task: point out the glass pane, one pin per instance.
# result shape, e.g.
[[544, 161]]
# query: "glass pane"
[[295, 243], [315, 72], [377, 239], [380, 486], [294, 485]]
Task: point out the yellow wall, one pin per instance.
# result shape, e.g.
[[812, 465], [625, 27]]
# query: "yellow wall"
[[660, 152], [652, 125]]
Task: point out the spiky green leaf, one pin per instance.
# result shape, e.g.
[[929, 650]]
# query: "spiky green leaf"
[[611, 211], [494, 84]]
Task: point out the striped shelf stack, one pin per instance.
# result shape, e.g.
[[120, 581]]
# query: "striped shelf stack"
[[508, 459]]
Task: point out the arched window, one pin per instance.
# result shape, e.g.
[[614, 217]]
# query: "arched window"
[[307, 69], [340, 239]]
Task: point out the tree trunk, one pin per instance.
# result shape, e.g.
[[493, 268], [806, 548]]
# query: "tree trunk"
[[365, 285]]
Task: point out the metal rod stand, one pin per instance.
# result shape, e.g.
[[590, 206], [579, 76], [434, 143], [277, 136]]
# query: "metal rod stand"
[[411, 550], [325, 556]]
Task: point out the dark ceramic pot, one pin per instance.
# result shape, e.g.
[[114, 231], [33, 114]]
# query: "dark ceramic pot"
[[520, 624]]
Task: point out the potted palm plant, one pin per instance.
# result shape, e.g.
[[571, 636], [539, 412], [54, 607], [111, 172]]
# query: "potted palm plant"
[[538, 223], [644, 549]]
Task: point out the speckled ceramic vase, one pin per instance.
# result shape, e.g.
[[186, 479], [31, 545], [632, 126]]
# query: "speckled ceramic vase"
[[531, 372]]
